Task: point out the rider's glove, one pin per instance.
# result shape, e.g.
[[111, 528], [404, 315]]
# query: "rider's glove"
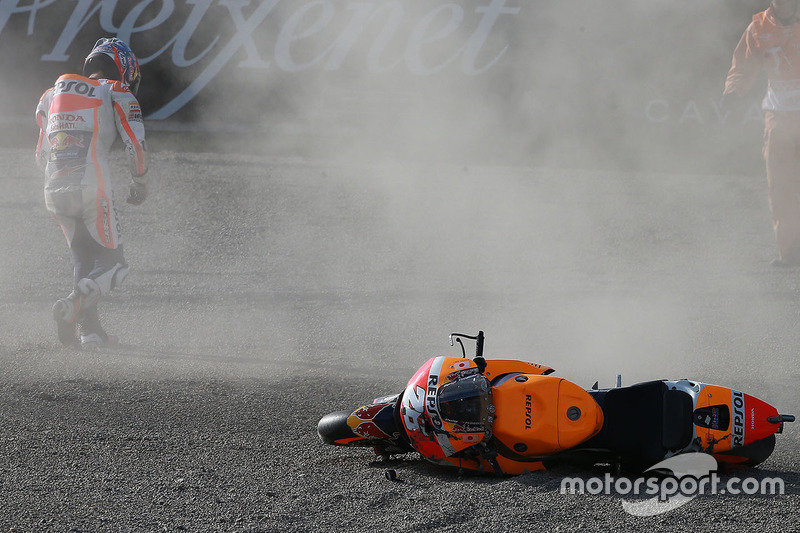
[[137, 193]]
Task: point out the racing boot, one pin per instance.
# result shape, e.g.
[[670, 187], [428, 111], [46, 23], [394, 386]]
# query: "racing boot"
[[93, 337], [66, 312]]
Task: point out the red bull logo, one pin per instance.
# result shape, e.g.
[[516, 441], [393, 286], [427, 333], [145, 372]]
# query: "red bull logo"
[[366, 422], [62, 141]]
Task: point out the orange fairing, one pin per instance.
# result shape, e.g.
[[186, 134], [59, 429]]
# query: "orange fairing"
[[498, 367], [717, 436], [734, 419], [541, 415]]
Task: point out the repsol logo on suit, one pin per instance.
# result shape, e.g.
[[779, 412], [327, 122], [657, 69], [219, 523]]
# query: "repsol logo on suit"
[[74, 86]]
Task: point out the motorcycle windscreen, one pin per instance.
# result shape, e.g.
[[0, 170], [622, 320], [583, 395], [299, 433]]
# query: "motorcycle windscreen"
[[466, 401]]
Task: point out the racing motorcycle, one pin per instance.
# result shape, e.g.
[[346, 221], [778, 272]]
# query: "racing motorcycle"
[[510, 417]]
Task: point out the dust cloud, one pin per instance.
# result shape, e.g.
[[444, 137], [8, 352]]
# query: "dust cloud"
[[464, 169], [535, 201]]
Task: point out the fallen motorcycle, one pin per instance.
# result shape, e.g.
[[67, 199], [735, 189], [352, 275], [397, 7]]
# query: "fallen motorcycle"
[[511, 417]]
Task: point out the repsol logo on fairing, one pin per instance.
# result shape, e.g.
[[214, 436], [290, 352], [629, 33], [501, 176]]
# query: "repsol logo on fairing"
[[430, 400], [528, 411], [75, 86], [737, 434]]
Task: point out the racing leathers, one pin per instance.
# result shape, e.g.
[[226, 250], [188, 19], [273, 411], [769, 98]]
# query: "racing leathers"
[[774, 47], [79, 118]]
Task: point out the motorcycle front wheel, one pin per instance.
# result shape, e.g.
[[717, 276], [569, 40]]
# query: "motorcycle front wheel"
[[333, 429]]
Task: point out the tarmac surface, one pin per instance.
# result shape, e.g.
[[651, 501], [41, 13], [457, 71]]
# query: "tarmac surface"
[[266, 291]]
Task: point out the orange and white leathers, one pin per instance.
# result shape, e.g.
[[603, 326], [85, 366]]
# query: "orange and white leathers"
[[772, 47], [79, 119]]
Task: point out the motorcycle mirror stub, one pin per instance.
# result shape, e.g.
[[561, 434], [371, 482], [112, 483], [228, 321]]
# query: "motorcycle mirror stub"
[[780, 419]]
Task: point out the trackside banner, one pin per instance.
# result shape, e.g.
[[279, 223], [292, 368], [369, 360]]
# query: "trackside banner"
[[539, 76], [229, 47]]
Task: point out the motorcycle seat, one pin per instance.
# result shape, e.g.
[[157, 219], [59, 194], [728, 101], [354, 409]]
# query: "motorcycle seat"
[[678, 422], [645, 420]]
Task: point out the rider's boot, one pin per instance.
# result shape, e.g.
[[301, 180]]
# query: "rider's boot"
[[66, 312], [92, 334]]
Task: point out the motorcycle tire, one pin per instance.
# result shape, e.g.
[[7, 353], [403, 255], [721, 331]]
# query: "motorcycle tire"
[[333, 427], [750, 455]]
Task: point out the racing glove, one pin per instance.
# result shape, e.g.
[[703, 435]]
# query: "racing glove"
[[137, 193]]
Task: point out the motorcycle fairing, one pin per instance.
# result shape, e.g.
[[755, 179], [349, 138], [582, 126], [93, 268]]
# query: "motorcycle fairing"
[[542, 415], [746, 418], [431, 435], [536, 417], [374, 422], [496, 368]]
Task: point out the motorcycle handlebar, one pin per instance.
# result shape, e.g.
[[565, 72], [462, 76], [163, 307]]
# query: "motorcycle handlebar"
[[477, 338]]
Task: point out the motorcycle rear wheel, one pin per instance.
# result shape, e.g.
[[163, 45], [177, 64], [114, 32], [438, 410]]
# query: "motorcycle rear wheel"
[[749, 455]]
